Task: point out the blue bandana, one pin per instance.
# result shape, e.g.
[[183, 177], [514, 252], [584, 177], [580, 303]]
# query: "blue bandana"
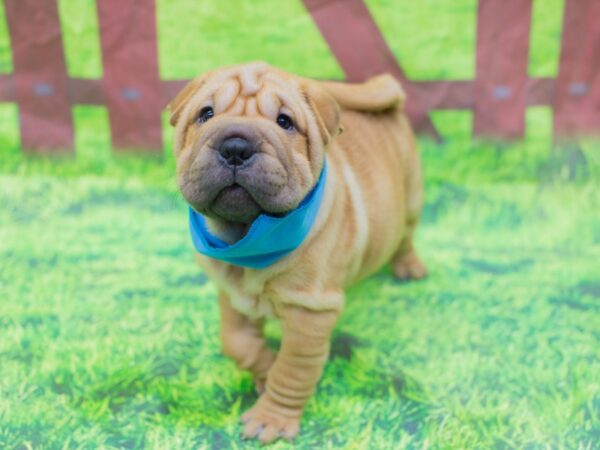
[[269, 238]]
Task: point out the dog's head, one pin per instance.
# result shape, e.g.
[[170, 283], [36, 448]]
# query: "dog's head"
[[250, 139]]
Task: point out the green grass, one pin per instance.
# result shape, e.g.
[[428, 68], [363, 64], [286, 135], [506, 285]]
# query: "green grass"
[[109, 331]]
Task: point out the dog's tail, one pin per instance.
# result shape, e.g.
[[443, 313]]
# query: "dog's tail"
[[377, 94]]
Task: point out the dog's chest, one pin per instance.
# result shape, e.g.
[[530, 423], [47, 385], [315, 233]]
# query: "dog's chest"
[[250, 299], [246, 290]]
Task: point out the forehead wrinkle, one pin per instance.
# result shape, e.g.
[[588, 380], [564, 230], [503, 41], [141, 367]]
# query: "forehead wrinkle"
[[290, 101], [226, 95], [201, 95], [274, 95], [251, 106], [274, 79], [249, 79], [237, 108], [268, 103]]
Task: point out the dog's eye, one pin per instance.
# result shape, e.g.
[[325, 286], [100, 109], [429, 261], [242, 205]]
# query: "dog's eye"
[[206, 113], [285, 122]]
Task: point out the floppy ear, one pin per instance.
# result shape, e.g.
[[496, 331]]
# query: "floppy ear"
[[326, 110], [175, 107]]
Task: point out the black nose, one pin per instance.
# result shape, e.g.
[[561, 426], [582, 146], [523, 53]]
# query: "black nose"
[[236, 151]]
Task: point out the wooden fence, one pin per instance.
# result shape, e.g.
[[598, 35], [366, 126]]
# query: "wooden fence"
[[135, 95]]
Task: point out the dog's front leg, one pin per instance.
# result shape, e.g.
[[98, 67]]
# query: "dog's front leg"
[[242, 340], [294, 375]]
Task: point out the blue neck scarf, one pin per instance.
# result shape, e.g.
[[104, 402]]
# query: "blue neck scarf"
[[269, 238]]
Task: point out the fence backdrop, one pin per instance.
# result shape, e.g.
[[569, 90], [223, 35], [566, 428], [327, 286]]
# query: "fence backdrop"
[[134, 94]]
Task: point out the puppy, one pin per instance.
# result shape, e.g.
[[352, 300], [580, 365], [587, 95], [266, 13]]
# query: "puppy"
[[297, 188]]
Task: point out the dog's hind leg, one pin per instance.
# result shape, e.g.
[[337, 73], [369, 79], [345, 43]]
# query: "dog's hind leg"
[[406, 264]]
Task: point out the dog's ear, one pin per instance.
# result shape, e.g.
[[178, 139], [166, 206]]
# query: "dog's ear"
[[325, 109], [175, 107]]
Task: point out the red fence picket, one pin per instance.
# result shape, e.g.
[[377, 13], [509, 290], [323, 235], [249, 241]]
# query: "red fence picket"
[[577, 107], [7, 88], [131, 84], [501, 69], [39, 81], [361, 50]]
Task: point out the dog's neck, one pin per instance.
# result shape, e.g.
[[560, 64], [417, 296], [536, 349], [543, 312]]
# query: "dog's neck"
[[266, 240], [229, 232]]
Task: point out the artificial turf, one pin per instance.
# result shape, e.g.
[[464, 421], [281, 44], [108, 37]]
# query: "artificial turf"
[[109, 331], [109, 339]]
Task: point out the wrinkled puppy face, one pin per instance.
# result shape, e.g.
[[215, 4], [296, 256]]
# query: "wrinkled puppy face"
[[250, 139]]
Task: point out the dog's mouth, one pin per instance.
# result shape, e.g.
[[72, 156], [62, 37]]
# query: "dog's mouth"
[[235, 204]]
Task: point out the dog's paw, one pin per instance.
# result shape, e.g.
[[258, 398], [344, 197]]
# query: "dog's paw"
[[264, 424], [409, 267]]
